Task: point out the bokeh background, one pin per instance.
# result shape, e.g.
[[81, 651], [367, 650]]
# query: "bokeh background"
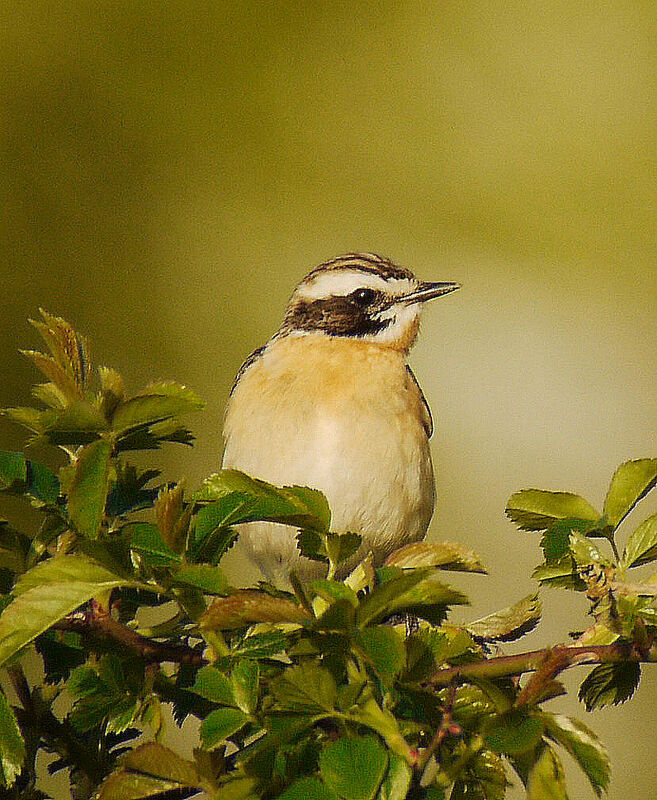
[[169, 171]]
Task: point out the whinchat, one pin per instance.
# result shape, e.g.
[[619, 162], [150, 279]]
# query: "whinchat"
[[330, 402]]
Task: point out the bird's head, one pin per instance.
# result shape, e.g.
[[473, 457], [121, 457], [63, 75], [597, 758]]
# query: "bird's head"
[[361, 296]]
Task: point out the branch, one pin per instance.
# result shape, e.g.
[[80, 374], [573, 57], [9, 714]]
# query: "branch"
[[99, 624], [446, 728], [550, 661], [60, 737]]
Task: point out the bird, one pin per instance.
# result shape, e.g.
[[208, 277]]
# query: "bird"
[[330, 402]]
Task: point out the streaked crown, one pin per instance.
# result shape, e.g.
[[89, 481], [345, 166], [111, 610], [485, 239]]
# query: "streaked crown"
[[361, 296]]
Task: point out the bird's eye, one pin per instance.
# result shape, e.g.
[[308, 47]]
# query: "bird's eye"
[[363, 297]]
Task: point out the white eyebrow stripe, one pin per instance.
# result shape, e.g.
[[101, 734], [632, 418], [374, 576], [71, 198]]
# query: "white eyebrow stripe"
[[342, 282]]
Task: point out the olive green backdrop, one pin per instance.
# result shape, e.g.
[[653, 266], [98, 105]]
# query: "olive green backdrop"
[[169, 170]]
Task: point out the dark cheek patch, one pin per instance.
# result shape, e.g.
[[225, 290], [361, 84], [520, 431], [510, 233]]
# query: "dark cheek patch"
[[335, 316]]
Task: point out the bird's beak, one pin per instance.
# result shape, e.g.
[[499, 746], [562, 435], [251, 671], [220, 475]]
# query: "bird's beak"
[[427, 291]]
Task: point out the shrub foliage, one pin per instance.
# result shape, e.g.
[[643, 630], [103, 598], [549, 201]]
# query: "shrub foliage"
[[356, 689]]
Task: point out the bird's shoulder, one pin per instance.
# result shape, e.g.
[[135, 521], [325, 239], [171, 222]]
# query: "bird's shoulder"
[[427, 419], [249, 361]]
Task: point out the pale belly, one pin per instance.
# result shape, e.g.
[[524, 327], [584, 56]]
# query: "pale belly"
[[366, 450]]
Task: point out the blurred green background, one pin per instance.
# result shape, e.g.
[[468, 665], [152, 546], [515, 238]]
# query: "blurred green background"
[[170, 170]]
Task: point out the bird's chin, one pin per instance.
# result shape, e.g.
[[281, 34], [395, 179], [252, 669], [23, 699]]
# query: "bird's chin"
[[402, 332]]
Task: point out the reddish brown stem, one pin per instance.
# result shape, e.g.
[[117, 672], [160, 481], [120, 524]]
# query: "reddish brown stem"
[[557, 659], [101, 625], [446, 728]]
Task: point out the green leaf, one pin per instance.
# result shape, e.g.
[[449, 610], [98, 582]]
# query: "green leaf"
[[312, 544], [112, 390], [486, 778], [306, 688], [444, 555], [155, 759], [509, 623], [20, 476], [157, 402], [381, 720], [245, 607], [333, 590], [220, 724], [109, 693], [145, 538], [148, 771], [49, 592], [78, 423], [537, 509], [363, 576], [210, 538], [70, 569], [244, 678], [384, 649], [205, 577], [123, 785], [413, 593], [69, 348], [631, 482], [473, 704], [12, 747], [128, 493], [227, 510], [42, 484], [609, 684], [14, 547], [61, 652], [215, 686], [561, 575], [597, 634], [397, 780], [515, 731], [641, 547], [583, 745], [556, 539], [150, 715], [585, 552], [339, 616], [219, 484], [237, 788], [115, 556], [313, 503], [211, 534], [360, 707], [308, 789], [51, 527], [150, 436], [546, 779], [283, 730], [621, 615], [341, 546], [31, 418], [427, 649], [354, 768], [13, 469], [261, 645], [56, 373], [50, 395], [88, 492], [348, 695], [290, 505], [178, 391]]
